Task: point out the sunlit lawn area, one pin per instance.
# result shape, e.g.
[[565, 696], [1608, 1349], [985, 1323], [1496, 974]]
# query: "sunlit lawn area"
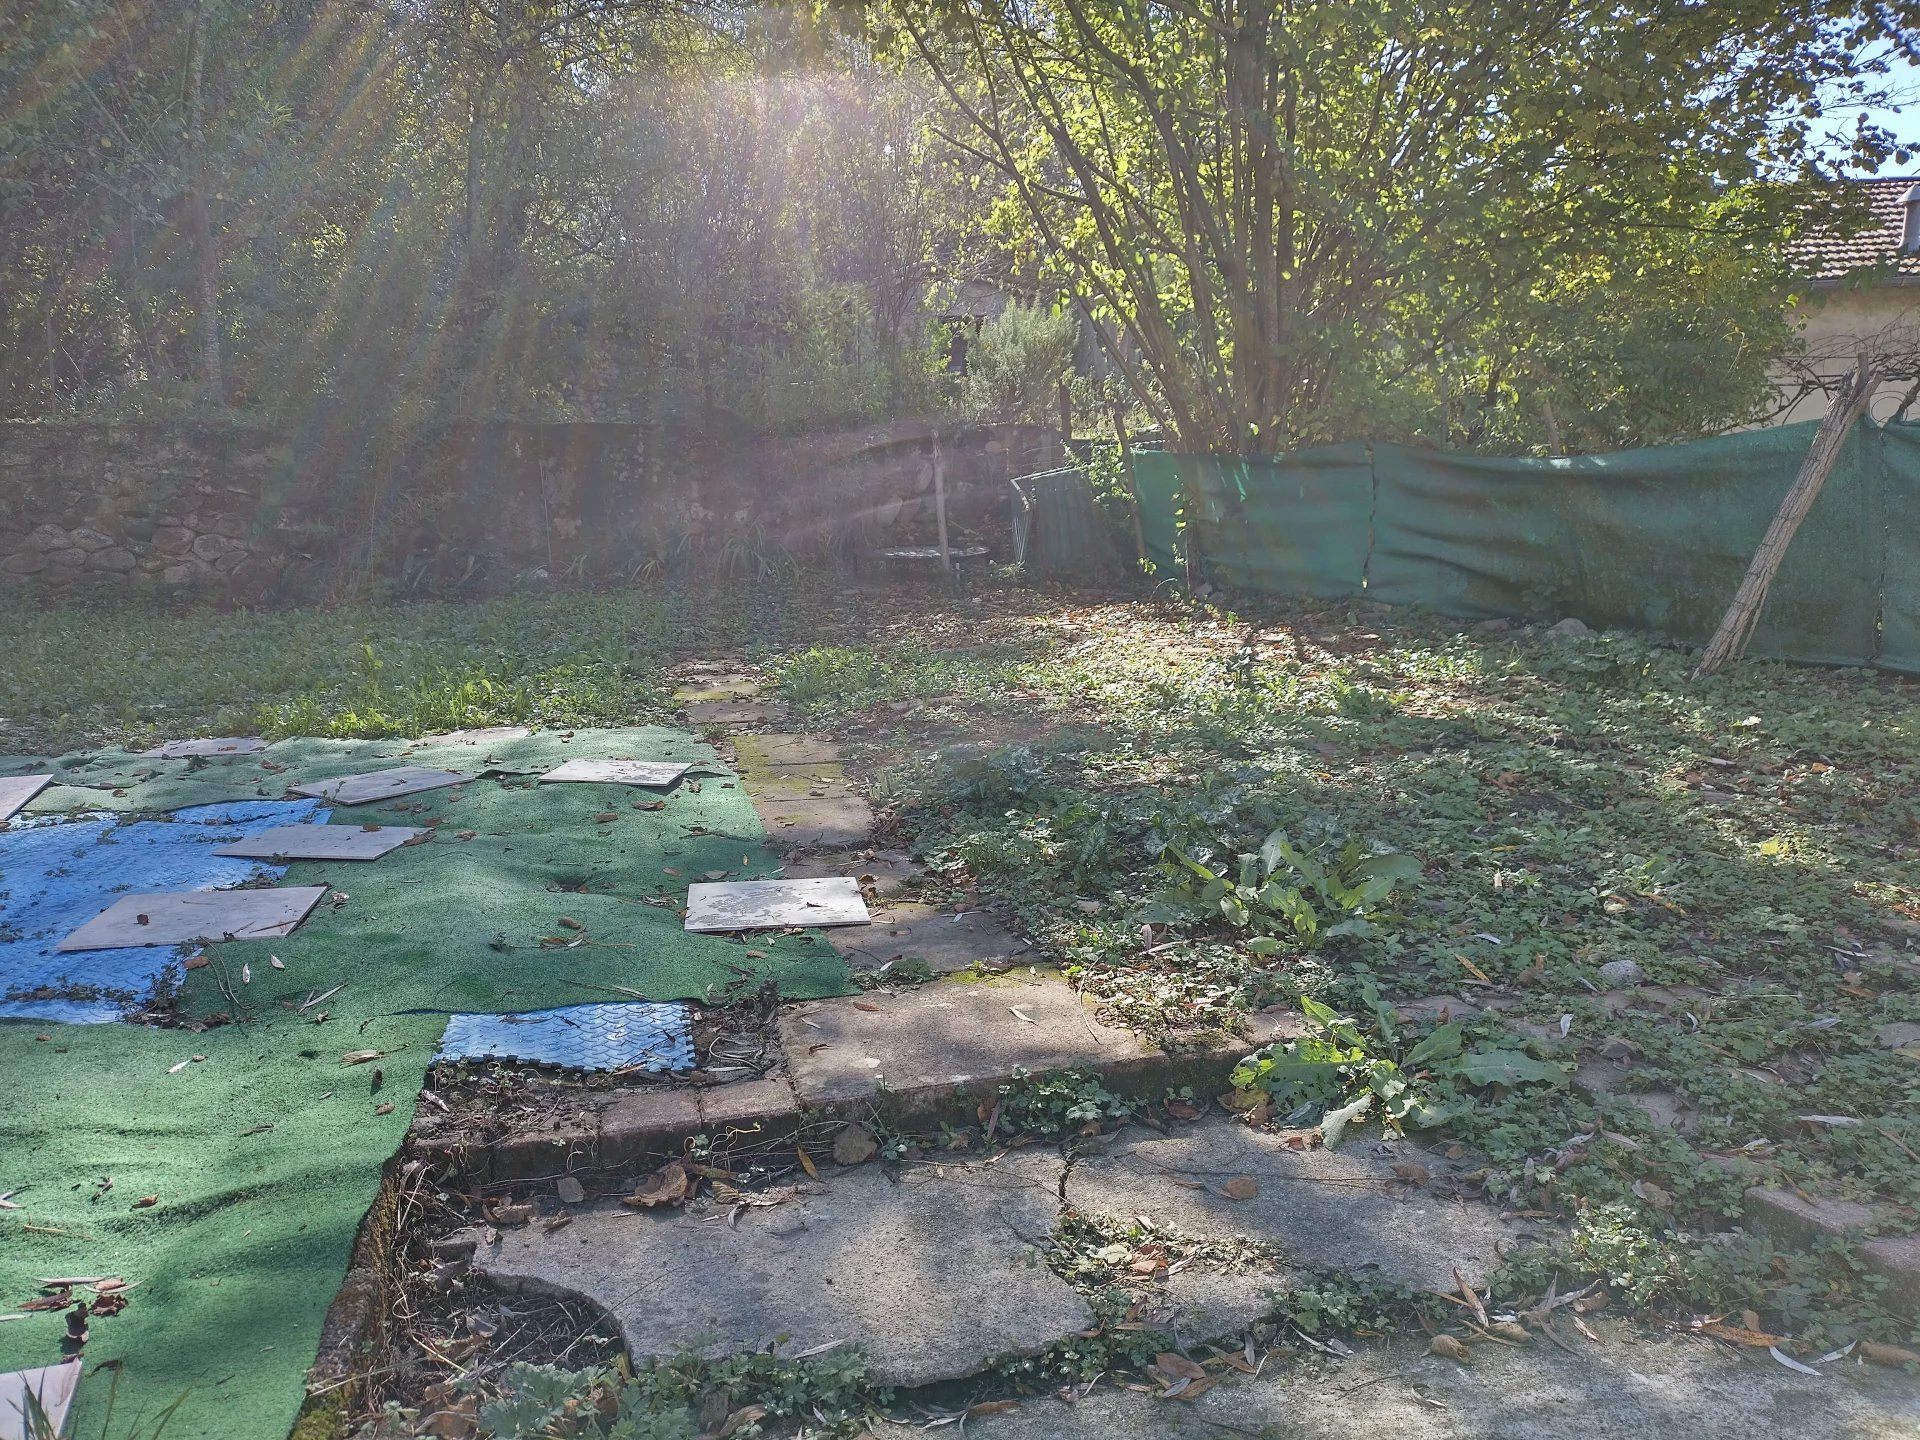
[[1702, 891]]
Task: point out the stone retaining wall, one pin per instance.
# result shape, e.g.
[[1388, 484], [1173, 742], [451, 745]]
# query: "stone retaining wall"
[[258, 517]]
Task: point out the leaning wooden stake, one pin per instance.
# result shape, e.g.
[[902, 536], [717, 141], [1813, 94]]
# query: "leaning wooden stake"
[[940, 502], [1736, 626]]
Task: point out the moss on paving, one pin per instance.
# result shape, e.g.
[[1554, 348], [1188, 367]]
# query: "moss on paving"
[[266, 1152]]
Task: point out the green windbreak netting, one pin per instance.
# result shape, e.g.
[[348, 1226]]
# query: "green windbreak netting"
[[1653, 539], [1297, 523], [1900, 604]]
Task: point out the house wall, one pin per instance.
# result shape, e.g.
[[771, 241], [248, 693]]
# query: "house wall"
[[1832, 328]]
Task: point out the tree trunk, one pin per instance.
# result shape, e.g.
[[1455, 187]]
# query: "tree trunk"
[[1133, 485], [206, 262], [1737, 625]]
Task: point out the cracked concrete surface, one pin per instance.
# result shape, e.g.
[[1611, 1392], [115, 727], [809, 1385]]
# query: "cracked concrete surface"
[[1345, 1209], [934, 1273], [1631, 1386]]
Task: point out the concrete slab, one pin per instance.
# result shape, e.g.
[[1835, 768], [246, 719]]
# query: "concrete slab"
[[381, 784], [1343, 1209], [773, 752], [322, 842], [944, 941], [733, 712], [729, 905], [17, 790], [198, 749], [934, 1274], [1632, 1386], [653, 774], [924, 1044], [52, 1387], [808, 822], [193, 915]]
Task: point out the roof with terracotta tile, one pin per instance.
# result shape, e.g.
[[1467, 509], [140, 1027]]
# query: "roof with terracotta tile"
[[1830, 257]]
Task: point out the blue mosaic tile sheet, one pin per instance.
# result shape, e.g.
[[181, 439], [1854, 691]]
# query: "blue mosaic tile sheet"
[[578, 1037], [57, 873]]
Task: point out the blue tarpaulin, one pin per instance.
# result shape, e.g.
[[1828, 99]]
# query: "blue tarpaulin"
[[58, 873]]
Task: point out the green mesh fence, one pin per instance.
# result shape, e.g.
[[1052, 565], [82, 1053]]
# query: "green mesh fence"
[[1652, 540]]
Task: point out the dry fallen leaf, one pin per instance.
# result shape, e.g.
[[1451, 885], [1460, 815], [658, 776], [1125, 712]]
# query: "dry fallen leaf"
[[567, 922], [1449, 1346], [1171, 1365], [854, 1145], [385, 1107], [1882, 1354], [669, 1185], [806, 1164], [145, 1202], [511, 1214], [1241, 1187], [1741, 1335], [360, 1057]]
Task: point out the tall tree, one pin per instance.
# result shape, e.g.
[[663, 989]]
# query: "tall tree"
[[1288, 208]]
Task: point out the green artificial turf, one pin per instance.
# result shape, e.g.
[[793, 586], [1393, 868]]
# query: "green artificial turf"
[[266, 1153]]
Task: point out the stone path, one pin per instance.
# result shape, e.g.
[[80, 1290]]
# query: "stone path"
[[937, 1269], [1631, 1386], [933, 1273]]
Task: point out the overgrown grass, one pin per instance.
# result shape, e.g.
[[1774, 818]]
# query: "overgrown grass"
[[1748, 843], [102, 673]]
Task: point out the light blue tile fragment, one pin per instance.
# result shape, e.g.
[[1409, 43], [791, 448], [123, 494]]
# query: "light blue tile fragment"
[[638, 1036]]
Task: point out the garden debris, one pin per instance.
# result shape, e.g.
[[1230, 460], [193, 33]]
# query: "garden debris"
[[652, 774], [196, 915], [669, 1185], [17, 790], [323, 842], [380, 784], [854, 1145], [48, 1391], [208, 748], [775, 904]]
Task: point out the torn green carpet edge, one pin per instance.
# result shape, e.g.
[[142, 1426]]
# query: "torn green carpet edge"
[[266, 1154]]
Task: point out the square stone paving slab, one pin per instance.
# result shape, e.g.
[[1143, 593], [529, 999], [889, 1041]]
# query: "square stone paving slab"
[[322, 842], [733, 712], [654, 774], [774, 904], [939, 1037], [52, 1387], [197, 749], [838, 819], [17, 790], [381, 784], [934, 1273], [1343, 1209], [193, 915]]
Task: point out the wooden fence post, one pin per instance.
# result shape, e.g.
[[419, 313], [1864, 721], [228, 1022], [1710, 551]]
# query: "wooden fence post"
[[1737, 625]]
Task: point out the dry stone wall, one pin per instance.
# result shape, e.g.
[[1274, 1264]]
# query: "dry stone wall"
[[260, 518]]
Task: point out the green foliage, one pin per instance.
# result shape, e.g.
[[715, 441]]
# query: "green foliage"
[[667, 1400], [1067, 1103], [1342, 1074], [1015, 366], [1282, 891], [1407, 219]]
